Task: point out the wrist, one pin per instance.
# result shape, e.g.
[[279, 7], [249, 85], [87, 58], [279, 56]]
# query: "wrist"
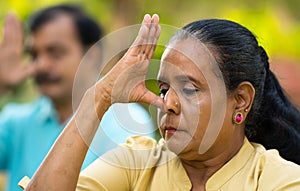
[[102, 97]]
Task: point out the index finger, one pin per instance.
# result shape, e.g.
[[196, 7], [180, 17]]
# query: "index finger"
[[12, 31], [146, 36]]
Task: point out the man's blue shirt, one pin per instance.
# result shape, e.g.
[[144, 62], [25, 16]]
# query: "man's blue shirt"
[[27, 132]]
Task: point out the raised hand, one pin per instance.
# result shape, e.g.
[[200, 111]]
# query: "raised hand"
[[12, 71], [126, 81]]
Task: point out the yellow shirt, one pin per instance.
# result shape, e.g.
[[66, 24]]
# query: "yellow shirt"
[[143, 164]]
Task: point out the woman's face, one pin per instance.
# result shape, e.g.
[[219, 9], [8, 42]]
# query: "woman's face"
[[197, 118]]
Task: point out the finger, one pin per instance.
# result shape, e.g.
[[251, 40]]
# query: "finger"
[[18, 33], [153, 36], [13, 34], [138, 45], [145, 34], [150, 39], [153, 99], [16, 42], [153, 47], [13, 29], [7, 29], [23, 73], [29, 70]]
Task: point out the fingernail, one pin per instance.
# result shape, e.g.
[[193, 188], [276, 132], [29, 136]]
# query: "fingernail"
[[155, 18], [155, 15], [147, 17]]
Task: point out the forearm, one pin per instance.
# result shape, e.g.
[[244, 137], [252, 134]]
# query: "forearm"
[[61, 168], [124, 83]]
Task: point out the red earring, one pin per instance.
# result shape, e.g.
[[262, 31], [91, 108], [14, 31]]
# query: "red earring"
[[238, 118]]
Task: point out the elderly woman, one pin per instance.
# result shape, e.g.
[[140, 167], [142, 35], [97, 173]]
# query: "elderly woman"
[[217, 93]]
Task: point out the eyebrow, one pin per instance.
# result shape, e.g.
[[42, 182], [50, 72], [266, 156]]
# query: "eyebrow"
[[54, 47], [182, 78], [49, 47], [161, 79], [187, 78]]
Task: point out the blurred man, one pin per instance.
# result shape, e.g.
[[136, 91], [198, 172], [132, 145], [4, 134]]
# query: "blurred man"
[[60, 36]]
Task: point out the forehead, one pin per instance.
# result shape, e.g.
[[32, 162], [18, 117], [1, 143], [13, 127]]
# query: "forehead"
[[58, 30], [187, 56]]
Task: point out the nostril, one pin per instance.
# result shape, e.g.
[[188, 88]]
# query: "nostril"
[[171, 110]]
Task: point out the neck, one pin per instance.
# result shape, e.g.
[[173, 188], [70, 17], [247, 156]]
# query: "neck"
[[64, 110], [199, 171]]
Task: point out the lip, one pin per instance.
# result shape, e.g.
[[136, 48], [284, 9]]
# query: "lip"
[[170, 130]]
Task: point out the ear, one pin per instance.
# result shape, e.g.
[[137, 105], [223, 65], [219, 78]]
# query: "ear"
[[244, 96]]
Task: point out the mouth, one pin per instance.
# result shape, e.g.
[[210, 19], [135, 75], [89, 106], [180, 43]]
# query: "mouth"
[[46, 79], [170, 130]]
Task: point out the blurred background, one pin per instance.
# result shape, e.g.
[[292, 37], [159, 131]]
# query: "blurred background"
[[276, 23]]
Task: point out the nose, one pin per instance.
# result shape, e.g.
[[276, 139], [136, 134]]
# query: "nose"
[[172, 103], [42, 64]]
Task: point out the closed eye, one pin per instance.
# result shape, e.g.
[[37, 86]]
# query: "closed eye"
[[190, 91]]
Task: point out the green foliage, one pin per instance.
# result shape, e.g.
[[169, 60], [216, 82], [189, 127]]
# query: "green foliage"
[[274, 22], [275, 30]]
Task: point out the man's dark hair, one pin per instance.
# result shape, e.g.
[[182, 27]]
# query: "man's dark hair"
[[89, 32]]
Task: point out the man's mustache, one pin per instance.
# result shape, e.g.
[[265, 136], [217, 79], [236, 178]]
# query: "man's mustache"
[[45, 78]]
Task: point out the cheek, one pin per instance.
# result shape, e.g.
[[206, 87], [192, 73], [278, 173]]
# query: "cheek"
[[192, 116], [70, 66], [196, 116], [161, 117]]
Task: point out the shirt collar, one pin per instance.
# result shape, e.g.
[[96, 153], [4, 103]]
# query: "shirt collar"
[[231, 168], [47, 111], [180, 179]]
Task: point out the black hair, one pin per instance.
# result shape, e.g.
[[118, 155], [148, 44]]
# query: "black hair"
[[89, 32], [272, 121]]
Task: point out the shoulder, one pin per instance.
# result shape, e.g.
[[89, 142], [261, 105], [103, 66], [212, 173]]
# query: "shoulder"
[[140, 142], [131, 165], [19, 109], [16, 115], [276, 172], [272, 158], [123, 165], [138, 152]]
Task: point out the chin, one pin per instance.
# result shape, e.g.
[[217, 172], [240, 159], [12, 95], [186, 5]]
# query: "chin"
[[177, 143], [55, 96], [52, 91]]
